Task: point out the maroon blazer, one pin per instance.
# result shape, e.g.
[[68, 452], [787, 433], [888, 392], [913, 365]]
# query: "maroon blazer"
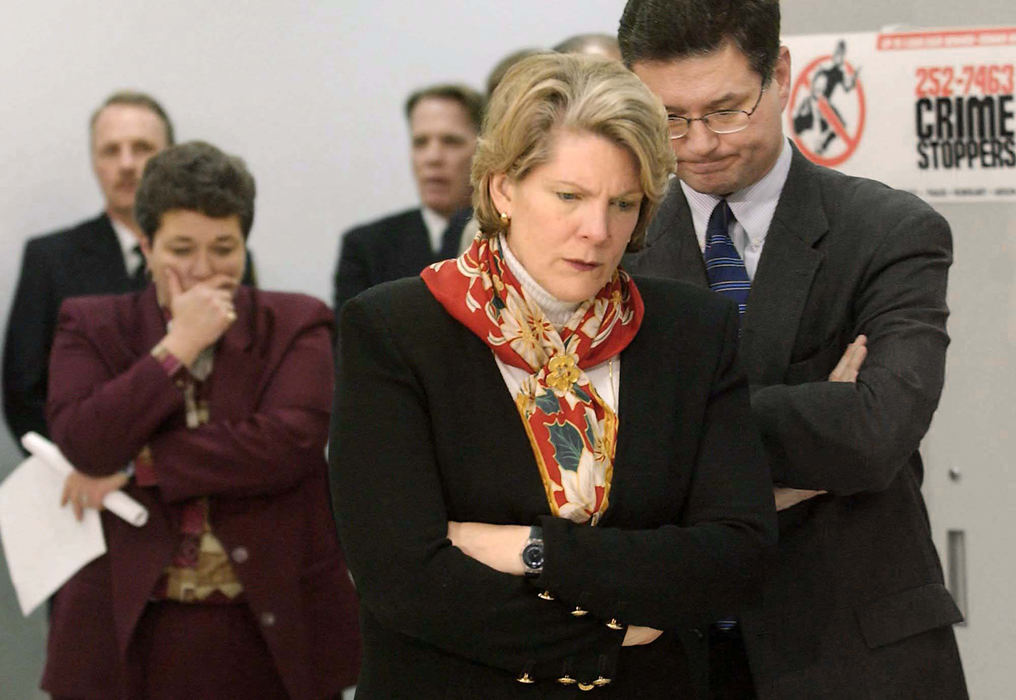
[[260, 460]]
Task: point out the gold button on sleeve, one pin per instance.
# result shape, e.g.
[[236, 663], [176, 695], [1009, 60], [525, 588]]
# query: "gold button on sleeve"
[[525, 678], [566, 680], [579, 612], [614, 624], [586, 686]]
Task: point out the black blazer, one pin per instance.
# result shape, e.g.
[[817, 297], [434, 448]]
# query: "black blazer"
[[79, 261], [425, 431], [857, 580], [85, 259], [389, 248]]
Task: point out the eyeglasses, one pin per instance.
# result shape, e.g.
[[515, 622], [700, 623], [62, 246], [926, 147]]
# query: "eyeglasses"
[[725, 121]]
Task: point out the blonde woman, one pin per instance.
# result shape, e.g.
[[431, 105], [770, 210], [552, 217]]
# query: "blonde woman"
[[543, 469]]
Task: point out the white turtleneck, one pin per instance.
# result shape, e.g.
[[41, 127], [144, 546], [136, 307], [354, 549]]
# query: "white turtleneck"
[[605, 377]]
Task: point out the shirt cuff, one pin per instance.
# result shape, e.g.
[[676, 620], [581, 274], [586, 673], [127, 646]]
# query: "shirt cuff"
[[175, 369]]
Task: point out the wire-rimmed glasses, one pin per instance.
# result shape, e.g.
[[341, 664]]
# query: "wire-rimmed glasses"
[[724, 121]]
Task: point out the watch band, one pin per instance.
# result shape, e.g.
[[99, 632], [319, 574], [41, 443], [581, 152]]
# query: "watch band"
[[532, 553]]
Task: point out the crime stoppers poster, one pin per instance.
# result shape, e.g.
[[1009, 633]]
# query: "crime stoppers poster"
[[931, 111]]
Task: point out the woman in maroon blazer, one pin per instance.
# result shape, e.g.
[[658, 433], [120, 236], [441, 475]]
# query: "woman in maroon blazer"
[[218, 396]]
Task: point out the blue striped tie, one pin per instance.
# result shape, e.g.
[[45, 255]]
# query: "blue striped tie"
[[727, 276], [724, 267]]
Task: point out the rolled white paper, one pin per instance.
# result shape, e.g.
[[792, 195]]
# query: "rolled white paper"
[[117, 502], [47, 452]]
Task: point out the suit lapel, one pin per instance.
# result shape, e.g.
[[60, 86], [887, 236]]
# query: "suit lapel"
[[451, 238], [484, 369], [101, 260], [672, 250], [151, 325], [415, 250], [784, 276], [236, 363], [499, 415], [634, 382]]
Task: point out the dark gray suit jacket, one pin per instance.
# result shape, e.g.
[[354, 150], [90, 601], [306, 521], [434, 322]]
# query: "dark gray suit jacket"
[[85, 259], [856, 606], [390, 248]]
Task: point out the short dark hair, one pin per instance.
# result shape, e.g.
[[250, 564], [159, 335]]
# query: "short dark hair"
[[470, 99], [194, 176], [134, 99], [664, 30]]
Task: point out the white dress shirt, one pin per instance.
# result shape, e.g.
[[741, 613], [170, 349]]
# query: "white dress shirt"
[[436, 225], [128, 241], [753, 208]]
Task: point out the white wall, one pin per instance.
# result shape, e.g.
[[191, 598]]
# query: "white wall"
[[310, 94]]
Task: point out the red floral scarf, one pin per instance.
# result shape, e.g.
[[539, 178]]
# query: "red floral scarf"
[[572, 431]]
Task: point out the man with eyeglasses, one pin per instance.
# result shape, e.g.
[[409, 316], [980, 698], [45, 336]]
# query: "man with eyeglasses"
[[841, 282]]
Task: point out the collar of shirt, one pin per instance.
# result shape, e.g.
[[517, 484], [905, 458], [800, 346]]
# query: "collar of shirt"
[[436, 225], [753, 208], [557, 312], [127, 241]]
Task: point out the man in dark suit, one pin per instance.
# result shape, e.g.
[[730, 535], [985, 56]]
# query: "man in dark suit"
[[842, 284], [443, 123], [97, 256]]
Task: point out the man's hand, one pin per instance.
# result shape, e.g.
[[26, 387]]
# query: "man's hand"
[[850, 364], [787, 497], [83, 491], [846, 370]]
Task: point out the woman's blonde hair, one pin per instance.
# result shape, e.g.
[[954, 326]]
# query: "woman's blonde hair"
[[577, 93]]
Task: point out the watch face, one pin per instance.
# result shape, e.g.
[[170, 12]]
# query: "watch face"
[[532, 556]]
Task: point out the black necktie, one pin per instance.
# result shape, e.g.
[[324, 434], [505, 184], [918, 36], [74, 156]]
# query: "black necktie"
[[451, 238], [139, 275]]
